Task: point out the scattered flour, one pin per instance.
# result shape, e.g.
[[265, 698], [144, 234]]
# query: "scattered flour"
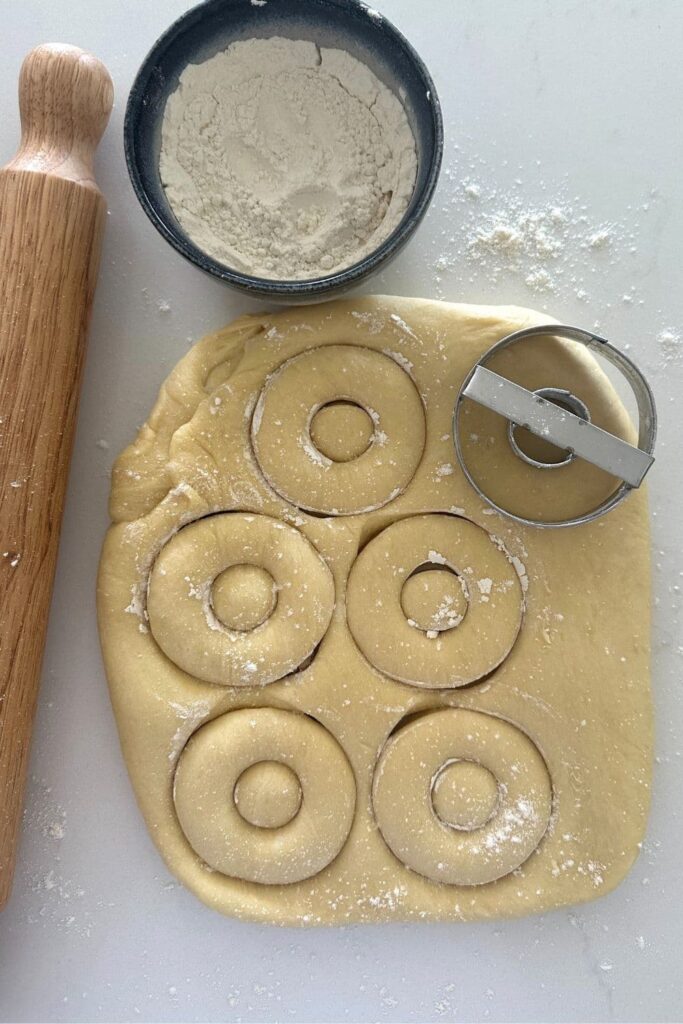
[[534, 243], [44, 815], [399, 358], [551, 245], [51, 899], [670, 345], [138, 601], [190, 717], [371, 322], [403, 326]]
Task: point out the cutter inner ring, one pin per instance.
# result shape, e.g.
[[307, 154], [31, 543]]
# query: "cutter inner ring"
[[564, 400]]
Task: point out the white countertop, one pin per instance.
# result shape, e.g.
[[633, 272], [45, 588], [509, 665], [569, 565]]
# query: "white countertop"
[[554, 105]]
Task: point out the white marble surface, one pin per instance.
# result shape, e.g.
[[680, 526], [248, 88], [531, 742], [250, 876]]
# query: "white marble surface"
[[553, 103]]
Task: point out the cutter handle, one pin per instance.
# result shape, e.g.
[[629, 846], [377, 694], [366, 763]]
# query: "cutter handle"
[[51, 223]]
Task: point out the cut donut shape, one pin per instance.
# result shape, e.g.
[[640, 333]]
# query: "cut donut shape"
[[500, 835], [271, 636], [434, 658], [212, 769], [313, 381]]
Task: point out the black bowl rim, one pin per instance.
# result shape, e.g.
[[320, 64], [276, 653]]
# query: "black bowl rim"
[[269, 287]]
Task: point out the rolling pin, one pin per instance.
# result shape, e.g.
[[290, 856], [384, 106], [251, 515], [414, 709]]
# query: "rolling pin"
[[51, 223]]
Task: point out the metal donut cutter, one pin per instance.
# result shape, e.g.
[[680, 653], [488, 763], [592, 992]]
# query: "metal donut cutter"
[[560, 418]]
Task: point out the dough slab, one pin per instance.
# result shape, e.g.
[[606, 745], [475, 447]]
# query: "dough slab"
[[345, 690]]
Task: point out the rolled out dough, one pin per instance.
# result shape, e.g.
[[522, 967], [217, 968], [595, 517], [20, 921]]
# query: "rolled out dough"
[[345, 689]]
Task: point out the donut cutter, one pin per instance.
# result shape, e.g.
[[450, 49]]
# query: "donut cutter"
[[560, 418]]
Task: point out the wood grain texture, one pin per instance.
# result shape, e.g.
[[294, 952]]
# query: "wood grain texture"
[[51, 223]]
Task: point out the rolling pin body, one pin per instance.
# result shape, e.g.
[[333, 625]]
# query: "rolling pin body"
[[51, 223]]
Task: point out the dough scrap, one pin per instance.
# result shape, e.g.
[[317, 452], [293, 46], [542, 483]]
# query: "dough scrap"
[[303, 755]]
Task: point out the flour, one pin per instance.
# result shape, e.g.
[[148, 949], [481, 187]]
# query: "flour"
[[284, 160], [670, 344], [536, 235]]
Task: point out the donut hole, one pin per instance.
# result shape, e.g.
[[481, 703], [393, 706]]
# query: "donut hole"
[[434, 598], [268, 794], [243, 597], [534, 449], [464, 795], [342, 430]]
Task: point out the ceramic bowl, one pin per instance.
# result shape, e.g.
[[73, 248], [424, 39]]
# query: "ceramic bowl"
[[344, 24]]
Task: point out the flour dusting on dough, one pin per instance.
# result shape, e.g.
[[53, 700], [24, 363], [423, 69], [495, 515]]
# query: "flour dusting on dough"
[[339, 646]]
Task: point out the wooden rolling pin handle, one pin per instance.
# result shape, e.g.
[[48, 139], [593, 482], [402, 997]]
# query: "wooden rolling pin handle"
[[65, 98], [51, 222]]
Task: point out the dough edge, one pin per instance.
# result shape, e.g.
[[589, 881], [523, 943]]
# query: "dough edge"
[[212, 361]]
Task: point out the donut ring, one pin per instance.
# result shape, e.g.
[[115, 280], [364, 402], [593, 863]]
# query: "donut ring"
[[207, 774], [451, 657], [403, 797], [281, 430], [181, 615]]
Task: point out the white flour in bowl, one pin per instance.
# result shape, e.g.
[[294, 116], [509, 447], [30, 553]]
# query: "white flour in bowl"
[[287, 161]]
